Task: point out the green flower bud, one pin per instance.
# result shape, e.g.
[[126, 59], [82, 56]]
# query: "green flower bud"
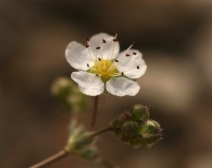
[[80, 142], [140, 113], [71, 99], [116, 124], [125, 116], [130, 129], [150, 133], [135, 142], [89, 154]]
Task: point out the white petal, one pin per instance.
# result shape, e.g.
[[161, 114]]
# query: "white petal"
[[130, 64], [77, 56], [88, 83], [121, 86], [109, 50]]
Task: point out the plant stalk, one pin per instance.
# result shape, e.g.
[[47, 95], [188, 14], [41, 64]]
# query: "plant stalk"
[[95, 111], [51, 159]]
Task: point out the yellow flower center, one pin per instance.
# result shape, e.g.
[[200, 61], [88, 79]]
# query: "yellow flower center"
[[104, 68]]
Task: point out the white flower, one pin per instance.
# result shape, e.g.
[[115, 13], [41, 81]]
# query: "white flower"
[[101, 66]]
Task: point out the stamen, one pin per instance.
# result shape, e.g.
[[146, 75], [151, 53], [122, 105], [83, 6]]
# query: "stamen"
[[97, 48], [93, 69], [91, 55], [88, 65], [114, 40], [110, 67], [111, 55], [101, 47], [101, 43], [115, 75], [98, 58], [116, 34], [87, 46], [117, 60], [123, 58], [131, 46], [97, 74], [100, 30], [134, 53], [128, 49], [132, 69], [122, 73]]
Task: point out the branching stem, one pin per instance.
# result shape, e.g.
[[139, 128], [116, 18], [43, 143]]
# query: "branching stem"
[[101, 131], [64, 153]]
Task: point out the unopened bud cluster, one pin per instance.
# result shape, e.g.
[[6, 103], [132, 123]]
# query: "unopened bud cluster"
[[71, 99], [136, 128]]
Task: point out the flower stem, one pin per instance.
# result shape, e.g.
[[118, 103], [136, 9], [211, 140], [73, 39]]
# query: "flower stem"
[[95, 110], [51, 159], [64, 153], [101, 131]]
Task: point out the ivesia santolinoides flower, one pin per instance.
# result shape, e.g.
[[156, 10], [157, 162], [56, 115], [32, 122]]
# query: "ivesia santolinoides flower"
[[101, 66]]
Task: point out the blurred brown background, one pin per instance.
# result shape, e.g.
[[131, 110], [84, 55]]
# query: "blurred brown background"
[[175, 37]]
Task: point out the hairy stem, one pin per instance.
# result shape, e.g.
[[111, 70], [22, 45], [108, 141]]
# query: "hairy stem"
[[101, 131], [64, 153], [51, 159], [95, 110]]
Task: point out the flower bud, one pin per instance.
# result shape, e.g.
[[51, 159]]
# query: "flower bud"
[[136, 142], [150, 133], [71, 99], [89, 154], [135, 127], [130, 129], [125, 116], [80, 142], [140, 113]]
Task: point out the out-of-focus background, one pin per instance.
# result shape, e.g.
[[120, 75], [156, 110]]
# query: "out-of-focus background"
[[175, 38]]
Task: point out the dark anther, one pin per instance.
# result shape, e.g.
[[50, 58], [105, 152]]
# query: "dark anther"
[[88, 65], [133, 43], [138, 67], [87, 39], [87, 46], [103, 41], [99, 59], [97, 48], [116, 32], [97, 75], [122, 73], [134, 53], [127, 55], [100, 31], [115, 40], [117, 60]]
